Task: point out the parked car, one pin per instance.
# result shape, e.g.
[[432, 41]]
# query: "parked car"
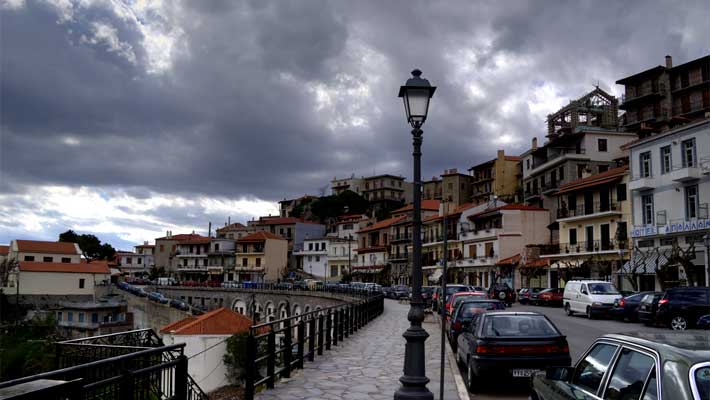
[[704, 322], [525, 293], [179, 304], [505, 344], [549, 297], [626, 308], [458, 297], [140, 292], [464, 312], [399, 292], [644, 365], [590, 297], [158, 298], [427, 293], [439, 300], [648, 306], [502, 292], [681, 307]]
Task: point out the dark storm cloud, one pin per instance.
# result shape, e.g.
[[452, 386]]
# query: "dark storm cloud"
[[273, 99]]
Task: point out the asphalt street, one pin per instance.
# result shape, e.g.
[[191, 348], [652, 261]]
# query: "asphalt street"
[[581, 333]]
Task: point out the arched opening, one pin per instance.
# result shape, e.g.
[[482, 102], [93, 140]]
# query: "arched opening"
[[269, 312], [240, 306]]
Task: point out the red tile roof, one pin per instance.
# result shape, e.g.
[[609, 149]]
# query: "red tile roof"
[[4, 250], [429, 205], [94, 267], [180, 237], [513, 158], [514, 260], [259, 237], [199, 240], [540, 262], [382, 224], [235, 225], [36, 246], [522, 207], [221, 321], [594, 180]]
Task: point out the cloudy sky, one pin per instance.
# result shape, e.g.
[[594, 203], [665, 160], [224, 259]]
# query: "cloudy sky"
[[129, 118]]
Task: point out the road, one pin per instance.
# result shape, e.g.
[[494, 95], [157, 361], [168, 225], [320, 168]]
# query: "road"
[[580, 332]]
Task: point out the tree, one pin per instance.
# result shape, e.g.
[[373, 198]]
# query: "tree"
[[328, 207], [90, 245], [156, 272]]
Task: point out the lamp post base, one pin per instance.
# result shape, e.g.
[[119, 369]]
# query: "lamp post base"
[[414, 380]]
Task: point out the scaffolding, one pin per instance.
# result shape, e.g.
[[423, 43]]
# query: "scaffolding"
[[595, 109]]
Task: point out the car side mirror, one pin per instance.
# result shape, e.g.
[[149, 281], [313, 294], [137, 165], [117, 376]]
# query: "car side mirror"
[[584, 292], [559, 373]]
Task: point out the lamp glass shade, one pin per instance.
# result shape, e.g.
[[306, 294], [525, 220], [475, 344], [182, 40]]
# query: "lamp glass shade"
[[416, 104]]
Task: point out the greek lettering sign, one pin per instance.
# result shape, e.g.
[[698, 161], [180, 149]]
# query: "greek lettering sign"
[[673, 227]]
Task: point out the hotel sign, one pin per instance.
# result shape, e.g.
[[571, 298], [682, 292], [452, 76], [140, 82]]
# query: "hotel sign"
[[674, 227]]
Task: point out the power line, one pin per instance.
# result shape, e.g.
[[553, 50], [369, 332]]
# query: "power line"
[[209, 348]]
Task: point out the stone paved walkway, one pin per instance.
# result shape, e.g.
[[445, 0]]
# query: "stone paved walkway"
[[367, 365]]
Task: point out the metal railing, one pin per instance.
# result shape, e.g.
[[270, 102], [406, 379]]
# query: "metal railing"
[[301, 338], [587, 246], [591, 209]]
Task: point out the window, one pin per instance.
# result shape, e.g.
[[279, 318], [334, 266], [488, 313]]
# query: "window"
[[602, 145], [129, 260], [310, 258], [667, 241], [216, 247], [333, 270], [645, 164], [29, 258], [666, 161], [310, 246], [59, 315], [562, 173], [204, 262], [245, 262], [688, 153], [81, 283], [472, 250], [701, 379], [70, 316], [630, 373], [645, 243], [590, 371], [603, 168], [48, 259], [258, 262], [288, 233], [691, 202], [94, 318], [162, 247], [527, 164], [317, 258], [621, 192], [184, 262], [580, 170], [572, 236], [527, 187], [81, 317], [647, 209], [140, 260]]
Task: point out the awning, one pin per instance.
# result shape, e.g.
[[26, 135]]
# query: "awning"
[[644, 263], [436, 275]]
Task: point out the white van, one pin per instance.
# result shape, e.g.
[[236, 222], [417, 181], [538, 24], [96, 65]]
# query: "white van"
[[166, 281], [589, 297]]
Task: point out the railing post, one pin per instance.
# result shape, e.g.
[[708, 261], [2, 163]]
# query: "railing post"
[[341, 323], [126, 390], [271, 359], [286, 373], [311, 338], [301, 341], [336, 314], [251, 368], [345, 321], [320, 333], [180, 378], [328, 328], [351, 319]]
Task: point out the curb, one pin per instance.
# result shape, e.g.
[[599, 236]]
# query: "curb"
[[458, 379]]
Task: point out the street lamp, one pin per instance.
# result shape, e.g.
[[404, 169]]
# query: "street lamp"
[[416, 94], [706, 242]]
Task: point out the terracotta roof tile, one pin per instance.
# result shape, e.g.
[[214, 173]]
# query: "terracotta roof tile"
[[283, 221], [429, 205], [221, 321], [514, 260], [235, 225], [180, 237], [4, 250], [540, 262], [259, 236], [94, 267], [199, 240], [382, 224], [598, 179], [515, 206], [36, 246]]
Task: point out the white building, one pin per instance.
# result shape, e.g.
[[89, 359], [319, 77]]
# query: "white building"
[[313, 257], [41, 251], [670, 192]]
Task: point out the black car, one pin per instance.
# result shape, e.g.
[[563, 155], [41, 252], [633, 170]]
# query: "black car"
[[680, 307], [464, 312], [646, 313], [506, 344], [180, 305], [427, 294], [626, 308], [704, 322], [399, 292], [644, 365], [502, 292], [526, 293]]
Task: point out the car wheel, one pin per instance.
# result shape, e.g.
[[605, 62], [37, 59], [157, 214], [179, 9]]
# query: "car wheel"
[[679, 323], [470, 377], [589, 313], [568, 310]]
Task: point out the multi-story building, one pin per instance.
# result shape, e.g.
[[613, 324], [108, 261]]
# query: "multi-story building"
[[433, 234], [457, 188], [664, 96], [496, 232], [432, 189], [221, 259], [260, 257], [166, 248], [299, 207], [191, 258], [41, 251], [294, 230], [581, 139], [4, 251], [341, 257], [347, 226], [387, 188], [312, 258], [373, 249], [498, 178], [670, 193], [92, 318], [147, 251], [401, 239], [594, 214], [234, 231], [338, 186]]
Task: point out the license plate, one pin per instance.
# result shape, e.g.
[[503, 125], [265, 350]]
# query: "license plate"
[[523, 373]]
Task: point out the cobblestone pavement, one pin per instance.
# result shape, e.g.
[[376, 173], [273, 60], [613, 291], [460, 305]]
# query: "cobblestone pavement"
[[367, 365]]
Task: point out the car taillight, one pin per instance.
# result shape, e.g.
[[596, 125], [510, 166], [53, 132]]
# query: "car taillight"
[[662, 302], [621, 303], [457, 326], [524, 349]]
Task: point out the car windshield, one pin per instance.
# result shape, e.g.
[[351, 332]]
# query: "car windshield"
[[471, 309], [427, 289], [602, 288], [460, 299], [701, 382], [518, 325], [454, 289], [401, 287]]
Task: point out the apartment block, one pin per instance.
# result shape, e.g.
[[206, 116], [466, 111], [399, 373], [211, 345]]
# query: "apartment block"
[[497, 178], [260, 257]]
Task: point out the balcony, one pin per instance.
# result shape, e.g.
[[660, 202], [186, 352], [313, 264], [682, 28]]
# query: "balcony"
[[249, 268], [642, 183], [648, 90], [186, 254], [399, 258], [532, 194], [594, 210], [589, 247], [481, 234], [221, 253], [402, 237], [250, 250], [550, 187], [192, 268], [431, 239], [468, 262], [683, 174], [556, 156]]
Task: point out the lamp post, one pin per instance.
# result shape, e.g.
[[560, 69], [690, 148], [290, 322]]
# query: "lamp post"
[[442, 310], [706, 242], [416, 94]]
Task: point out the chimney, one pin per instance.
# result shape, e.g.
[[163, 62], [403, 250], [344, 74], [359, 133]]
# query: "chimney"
[[534, 143], [501, 155], [209, 229], [669, 62]]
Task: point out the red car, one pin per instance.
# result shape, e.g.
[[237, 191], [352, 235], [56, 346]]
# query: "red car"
[[549, 297], [452, 299]]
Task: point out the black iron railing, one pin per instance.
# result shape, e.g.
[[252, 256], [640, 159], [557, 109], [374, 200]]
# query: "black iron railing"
[[278, 347], [588, 209]]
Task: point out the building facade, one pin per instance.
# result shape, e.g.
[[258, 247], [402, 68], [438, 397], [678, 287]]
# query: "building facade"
[[338, 186], [498, 178], [42, 251], [260, 257]]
